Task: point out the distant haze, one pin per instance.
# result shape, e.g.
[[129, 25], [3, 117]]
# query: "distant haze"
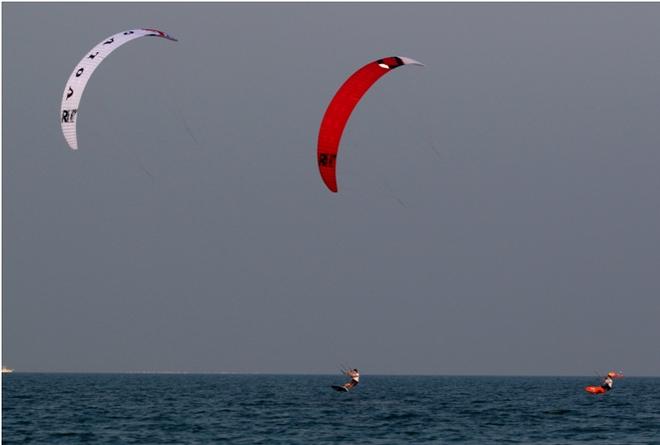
[[498, 210]]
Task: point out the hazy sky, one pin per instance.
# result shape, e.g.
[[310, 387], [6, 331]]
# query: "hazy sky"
[[498, 211]]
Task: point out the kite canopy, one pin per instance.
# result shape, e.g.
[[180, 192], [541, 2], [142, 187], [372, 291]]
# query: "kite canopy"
[[82, 72], [341, 107]]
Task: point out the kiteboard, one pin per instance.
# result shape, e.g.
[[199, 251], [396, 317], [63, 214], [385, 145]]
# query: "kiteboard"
[[595, 389], [339, 388]]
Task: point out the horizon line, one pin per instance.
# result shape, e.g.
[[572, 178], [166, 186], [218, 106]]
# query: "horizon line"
[[14, 371]]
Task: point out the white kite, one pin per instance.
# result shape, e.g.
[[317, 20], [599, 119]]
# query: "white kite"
[[81, 74]]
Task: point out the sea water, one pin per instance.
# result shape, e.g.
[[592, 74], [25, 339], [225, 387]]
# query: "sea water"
[[303, 409]]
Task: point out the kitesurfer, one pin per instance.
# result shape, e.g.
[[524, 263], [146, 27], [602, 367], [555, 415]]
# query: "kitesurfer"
[[608, 382], [354, 374]]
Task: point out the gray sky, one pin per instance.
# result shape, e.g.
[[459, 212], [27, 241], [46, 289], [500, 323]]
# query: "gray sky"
[[498, 209]]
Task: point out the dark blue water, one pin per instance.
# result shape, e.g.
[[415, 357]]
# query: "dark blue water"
[[247, 409]]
